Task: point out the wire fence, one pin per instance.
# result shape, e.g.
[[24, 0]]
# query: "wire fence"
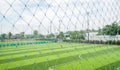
[[60, 35]]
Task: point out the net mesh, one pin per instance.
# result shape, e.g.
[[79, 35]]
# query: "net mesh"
[[59, 35]]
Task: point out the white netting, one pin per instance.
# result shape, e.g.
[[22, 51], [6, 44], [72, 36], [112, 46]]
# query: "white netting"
[[59, 34]]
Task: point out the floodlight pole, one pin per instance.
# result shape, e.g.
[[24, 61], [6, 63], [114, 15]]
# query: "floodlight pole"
[[60, 21], [59, 25], [1, 28], [1, 32], [88, 26]]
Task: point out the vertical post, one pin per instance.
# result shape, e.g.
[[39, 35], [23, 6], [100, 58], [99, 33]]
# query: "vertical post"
[[1, 33], [88, 26], [60, 25], [59, 30], [50, 28]]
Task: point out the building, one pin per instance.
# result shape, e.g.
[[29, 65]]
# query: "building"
[[92, 36]]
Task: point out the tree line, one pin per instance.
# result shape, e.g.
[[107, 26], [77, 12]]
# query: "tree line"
[[36, 35], [113, 29]]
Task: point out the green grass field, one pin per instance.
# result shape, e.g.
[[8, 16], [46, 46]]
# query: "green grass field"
[[60, 56]]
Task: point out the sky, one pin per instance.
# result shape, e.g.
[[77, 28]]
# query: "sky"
[[52, 16]]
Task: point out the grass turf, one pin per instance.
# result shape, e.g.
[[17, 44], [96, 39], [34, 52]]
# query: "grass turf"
[[59, 56]]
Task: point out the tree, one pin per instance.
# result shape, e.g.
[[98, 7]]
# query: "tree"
[[61, 35], [41, 36], [9, 35], [76, 34], [112, 29], [22, 35], [50, 36], [35, 33], [3, 36]]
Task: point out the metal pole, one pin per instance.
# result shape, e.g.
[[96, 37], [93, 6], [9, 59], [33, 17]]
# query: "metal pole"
[[88, 26]]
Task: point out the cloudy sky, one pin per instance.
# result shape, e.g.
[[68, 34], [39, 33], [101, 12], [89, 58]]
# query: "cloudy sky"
[[52, 16]]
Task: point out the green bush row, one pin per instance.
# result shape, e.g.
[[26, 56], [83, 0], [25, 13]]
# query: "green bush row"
[[112, 42], [23, 43], [73, 40]]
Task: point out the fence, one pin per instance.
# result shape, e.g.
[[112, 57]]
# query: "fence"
[[66, 24]]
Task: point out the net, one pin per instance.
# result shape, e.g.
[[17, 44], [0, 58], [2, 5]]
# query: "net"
[[59, 35]]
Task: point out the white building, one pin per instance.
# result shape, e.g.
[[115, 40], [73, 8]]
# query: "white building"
[[93, 36]]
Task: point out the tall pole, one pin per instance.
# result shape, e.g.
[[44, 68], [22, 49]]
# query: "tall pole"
[[88, 26], [1, 32], [59, 28], [50, 31], [59, 25]]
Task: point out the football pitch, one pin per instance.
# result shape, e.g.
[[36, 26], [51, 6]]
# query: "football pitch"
[[60, 56]]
